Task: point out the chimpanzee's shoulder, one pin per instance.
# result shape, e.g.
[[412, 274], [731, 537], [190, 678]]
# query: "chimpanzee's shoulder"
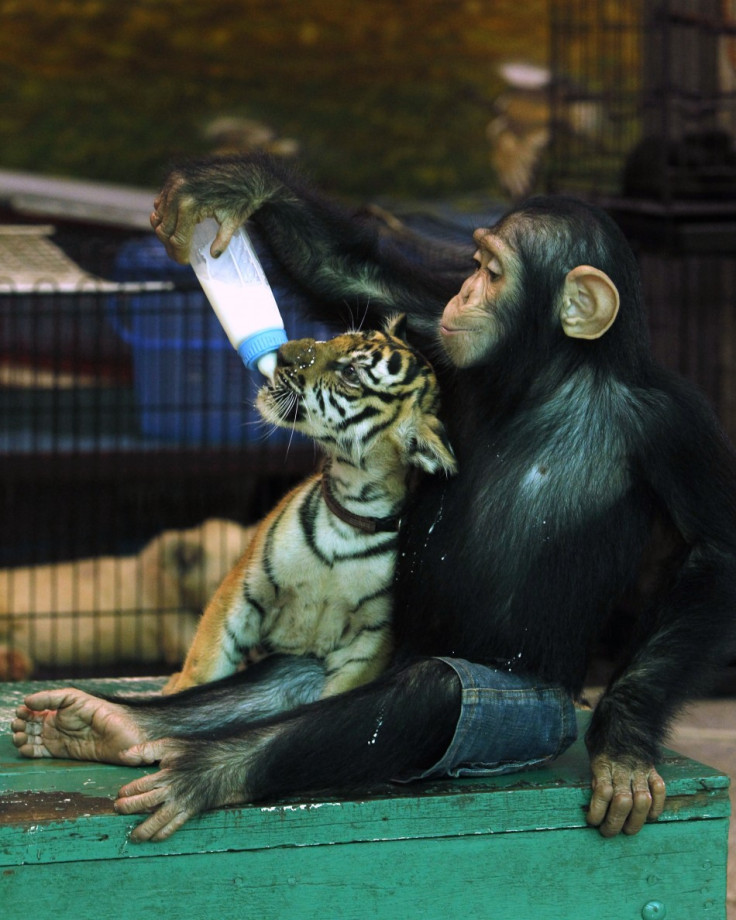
[[668, 396], [677, 422]]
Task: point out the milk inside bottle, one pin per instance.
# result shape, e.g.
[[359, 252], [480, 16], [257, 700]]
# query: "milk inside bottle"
[[240, 295]]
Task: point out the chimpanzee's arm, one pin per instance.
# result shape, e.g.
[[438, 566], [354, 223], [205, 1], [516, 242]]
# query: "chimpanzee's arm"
[[690, 630], [342, 260]]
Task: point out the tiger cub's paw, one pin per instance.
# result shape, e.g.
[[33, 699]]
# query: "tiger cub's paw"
[[176, 683]]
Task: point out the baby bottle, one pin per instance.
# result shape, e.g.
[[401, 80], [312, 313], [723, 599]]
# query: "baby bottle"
[[236, 286]]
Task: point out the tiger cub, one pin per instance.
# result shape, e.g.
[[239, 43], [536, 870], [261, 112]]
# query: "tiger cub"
[[316, 578]]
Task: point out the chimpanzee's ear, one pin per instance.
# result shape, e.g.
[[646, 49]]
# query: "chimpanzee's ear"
[[396, 326], [590, 303]]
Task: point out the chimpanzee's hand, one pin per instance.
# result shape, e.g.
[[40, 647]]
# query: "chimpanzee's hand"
[[626, 793], [176, 212]]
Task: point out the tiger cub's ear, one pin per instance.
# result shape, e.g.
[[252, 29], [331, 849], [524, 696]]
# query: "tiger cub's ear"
[[429, 448], [396, 326]]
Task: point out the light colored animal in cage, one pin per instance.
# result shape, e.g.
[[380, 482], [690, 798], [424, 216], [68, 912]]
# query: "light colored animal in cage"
[[113, 609]]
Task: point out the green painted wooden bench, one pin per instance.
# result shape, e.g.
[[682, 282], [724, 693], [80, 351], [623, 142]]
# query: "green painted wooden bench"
[[509, 848]]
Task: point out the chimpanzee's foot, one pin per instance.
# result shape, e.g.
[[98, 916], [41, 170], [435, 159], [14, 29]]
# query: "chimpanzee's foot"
[[71, 723], [153, 793], [160, 793]]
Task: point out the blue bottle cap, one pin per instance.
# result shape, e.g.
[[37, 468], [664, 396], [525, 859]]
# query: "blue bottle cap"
[[260, 344]]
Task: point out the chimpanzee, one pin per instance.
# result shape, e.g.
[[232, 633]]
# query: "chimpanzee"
[[589, 477]]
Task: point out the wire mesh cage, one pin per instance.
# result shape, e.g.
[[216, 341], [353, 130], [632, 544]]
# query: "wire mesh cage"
[[133, 462], [644, 101], [643, 107]]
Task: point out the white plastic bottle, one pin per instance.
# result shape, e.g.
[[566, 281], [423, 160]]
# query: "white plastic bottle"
[[241, 296]]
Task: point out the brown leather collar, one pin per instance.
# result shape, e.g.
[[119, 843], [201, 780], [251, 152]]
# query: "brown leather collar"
[[365, 524]]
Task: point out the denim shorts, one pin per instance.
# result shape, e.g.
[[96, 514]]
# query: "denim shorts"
[[507, 722]]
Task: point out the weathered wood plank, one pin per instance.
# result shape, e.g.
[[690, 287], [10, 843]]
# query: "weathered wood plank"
[[546, 876], [56, 810], [61, 826]]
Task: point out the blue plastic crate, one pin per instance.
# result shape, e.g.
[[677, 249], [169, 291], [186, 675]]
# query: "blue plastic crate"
[[190, 385]]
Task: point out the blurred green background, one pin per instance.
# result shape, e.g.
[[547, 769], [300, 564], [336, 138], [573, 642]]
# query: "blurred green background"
[[383, 98]]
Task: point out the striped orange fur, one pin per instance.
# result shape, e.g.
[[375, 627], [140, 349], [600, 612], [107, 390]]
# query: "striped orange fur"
[[316, 579]]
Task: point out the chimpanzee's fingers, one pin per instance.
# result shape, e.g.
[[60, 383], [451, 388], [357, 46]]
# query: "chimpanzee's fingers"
[[228, 227], [625, 795]]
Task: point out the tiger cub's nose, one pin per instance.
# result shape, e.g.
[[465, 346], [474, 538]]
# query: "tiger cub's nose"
[[299, 353]]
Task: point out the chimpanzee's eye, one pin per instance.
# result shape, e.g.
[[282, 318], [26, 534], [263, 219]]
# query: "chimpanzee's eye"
[[494, 268]]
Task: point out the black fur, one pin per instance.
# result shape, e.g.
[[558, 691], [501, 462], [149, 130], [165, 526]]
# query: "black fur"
[[264, 690], [574, 457], [260, 760]]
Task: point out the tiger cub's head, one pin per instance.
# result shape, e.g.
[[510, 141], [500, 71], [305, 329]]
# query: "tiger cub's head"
[[361, 394]]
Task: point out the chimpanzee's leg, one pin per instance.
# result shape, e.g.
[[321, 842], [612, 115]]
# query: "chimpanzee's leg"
[[71, 723], [273, 685], [396, 726]]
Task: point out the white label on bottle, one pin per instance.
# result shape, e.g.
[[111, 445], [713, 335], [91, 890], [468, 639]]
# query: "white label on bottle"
[[242, 309]]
